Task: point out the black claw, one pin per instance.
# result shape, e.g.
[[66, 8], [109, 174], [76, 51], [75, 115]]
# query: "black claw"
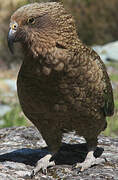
[[44, 171], [76, 169], [73, 167], [79, 171], [105, 159], [32, 174]]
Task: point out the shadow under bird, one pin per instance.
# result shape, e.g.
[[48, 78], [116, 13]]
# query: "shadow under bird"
[[62, 84]]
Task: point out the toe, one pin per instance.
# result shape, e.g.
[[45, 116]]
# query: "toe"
[[88, 163], [99, 161], [43, 164], [44, 171]]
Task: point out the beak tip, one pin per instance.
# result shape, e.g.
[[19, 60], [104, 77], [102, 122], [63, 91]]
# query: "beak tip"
[[11, 47]]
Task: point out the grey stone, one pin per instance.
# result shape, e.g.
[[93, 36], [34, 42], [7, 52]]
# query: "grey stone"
[[108, 51], [20, 149]]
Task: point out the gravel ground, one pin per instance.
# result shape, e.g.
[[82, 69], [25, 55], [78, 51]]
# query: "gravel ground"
[[21, 148]]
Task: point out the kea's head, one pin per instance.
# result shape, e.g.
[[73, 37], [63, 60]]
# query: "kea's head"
[[40, 27]]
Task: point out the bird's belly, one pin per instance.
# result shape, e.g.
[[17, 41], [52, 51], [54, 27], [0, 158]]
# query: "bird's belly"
[[45, 114], [43, 107], [50, 109]]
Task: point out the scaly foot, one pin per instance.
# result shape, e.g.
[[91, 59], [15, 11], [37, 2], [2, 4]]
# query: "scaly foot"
[[89, 161], [43, 164]]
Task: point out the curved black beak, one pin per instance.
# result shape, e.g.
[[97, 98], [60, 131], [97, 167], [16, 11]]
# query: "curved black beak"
[[11, 40], [12, 36]]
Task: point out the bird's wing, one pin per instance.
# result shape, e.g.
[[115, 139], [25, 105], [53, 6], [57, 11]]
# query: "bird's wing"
[[108, 93], [108, 97]]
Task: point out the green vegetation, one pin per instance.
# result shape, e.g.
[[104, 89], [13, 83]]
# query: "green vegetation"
[[114, 77], [13, 118]]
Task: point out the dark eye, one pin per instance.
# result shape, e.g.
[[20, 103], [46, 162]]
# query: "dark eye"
[[31, 20]]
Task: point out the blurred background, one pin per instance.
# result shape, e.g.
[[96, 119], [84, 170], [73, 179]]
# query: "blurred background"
[[97, 26]]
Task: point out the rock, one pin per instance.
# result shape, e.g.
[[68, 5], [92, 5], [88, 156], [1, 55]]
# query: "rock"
[[20, 149], [108, 51]]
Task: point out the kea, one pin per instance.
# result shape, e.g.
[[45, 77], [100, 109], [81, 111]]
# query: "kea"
[[62, 84]]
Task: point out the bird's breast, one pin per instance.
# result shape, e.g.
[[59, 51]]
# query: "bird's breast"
[[40, 93]]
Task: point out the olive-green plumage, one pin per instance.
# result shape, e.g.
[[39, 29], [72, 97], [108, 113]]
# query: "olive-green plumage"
[[62, 84]]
